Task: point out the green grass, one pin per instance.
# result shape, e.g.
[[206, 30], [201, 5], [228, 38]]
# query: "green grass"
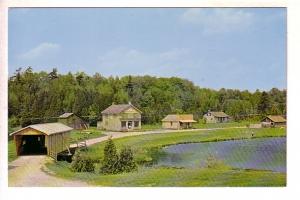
[[224, 125], [147, 147], [160, 176], [92, 132], [12, 154], [149, 127]]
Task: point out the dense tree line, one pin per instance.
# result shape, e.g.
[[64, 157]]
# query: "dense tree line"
[[40, 95]]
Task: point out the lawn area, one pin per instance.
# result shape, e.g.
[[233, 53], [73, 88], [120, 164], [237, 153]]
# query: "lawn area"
[[146, 148], [78, 135], [149, 127], [224, 125], [12, 154], [161, 176]]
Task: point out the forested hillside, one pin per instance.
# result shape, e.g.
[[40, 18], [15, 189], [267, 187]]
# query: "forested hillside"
[[39, 96]]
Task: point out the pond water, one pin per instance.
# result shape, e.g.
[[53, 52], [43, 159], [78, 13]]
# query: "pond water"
[[262, 154]]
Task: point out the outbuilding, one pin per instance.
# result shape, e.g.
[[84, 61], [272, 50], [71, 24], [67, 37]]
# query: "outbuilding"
[[216, 117], [273, 121], [48, 139], [72, 120], [178, 121]]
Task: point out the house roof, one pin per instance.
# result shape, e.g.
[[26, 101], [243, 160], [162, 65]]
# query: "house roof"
[[116, 109], [179, 118], [219, 114], [276, 118], [47, 128], [66, 115]]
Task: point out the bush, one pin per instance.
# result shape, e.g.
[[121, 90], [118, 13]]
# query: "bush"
[[114, 163], [126, 161], [82, 163]]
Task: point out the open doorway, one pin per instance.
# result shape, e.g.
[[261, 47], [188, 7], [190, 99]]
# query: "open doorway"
[[33, 145]]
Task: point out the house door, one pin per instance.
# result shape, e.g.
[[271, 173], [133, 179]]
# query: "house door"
[[129, 124]]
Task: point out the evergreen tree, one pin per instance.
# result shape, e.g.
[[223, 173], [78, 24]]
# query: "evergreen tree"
[[126, 161], [111, 158]]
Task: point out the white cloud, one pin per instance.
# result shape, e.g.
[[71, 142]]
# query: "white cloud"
[[42, 50], [218, 19]]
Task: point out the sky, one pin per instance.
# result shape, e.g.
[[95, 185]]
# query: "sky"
[[237, 48]]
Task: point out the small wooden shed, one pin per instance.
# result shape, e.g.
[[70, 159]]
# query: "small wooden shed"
[[216, 117], [273, 121], [178, 121], [72, 120], [48, 138]]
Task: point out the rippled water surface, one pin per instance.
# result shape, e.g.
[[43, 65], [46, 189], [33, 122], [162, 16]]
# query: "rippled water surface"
[[263, 154]]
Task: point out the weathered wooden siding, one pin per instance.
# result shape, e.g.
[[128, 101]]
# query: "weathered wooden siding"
[[171, 125], [57, 143], [210, 119], [74, 122], [113, 121]]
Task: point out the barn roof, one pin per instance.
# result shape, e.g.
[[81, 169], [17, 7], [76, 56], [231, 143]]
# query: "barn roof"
[[116, 109], [66, 115], [276, 118], [47, 128], [179, 118], [219, 114]]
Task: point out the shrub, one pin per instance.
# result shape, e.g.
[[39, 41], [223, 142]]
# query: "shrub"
[[126, 161], [113, 163], [82, 163], [111, 158]]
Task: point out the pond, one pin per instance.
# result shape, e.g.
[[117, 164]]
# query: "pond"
[[262, 154]]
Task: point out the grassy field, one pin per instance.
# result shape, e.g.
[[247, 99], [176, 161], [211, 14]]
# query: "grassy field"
[[12, 154], [160, 176], [92, 132], [224, 125], [146, 148]]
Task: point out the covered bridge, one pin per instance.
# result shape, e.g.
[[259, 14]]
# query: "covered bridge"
[[48, 138]]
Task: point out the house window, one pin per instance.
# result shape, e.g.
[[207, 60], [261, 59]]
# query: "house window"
[[171, 123], [123, 124], [136, 123]]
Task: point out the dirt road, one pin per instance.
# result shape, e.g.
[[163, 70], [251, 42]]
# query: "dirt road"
[[29, 171]]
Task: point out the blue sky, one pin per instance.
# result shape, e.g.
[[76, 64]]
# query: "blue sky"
[[240, 48]]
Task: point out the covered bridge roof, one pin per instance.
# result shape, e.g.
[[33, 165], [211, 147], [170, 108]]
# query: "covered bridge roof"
[[179, 118], [47, 128], [276, 118], [116, 109]]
